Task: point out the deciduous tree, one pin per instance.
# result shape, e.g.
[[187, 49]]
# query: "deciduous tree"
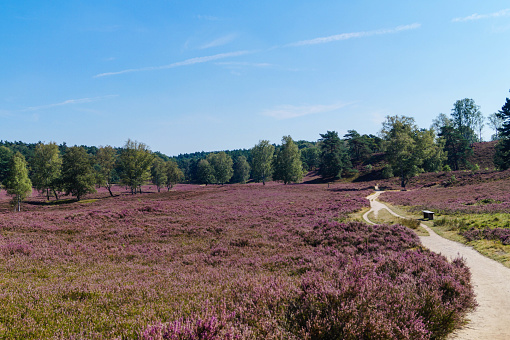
[[159, 173], [241, 170], [77, 172], [46, 167], [105, 166], [287, 166], [495, 123], [205, 172], [173, 174], [464, 116], [135, 160], [262, 161], [410, 150], [222, 166], [17, 182]]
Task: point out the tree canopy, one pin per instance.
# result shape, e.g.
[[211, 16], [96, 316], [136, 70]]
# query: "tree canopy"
[[502, 156], [287, 166], [17, 182], [135, 160], [77, 172], [333, 158], [410, 150], [262, 161]]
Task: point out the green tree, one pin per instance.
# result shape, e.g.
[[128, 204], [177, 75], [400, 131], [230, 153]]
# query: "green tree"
[[310, 157], [495, 123], [106, 158], [408, 149], [205, 172], [173, 174], [17, 182], [502, 156], [46, 167], [222, 166], [5, 160], [457, 148], [287, 165], [77, 172], [135, 160], [241, 170], [262, 161], [359, 146], [465, 114], [334, 157], [159, 173]]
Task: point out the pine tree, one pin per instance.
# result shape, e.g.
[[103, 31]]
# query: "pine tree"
[[502, 156], [17, 183]]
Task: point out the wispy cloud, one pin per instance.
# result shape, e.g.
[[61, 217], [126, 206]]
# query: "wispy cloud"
[[219, 42], [476, 16], [239, 64], [291, 111], [186, 62], [353, 35], [67, 102]]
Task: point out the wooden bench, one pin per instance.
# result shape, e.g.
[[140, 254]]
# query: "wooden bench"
[[428, 214]]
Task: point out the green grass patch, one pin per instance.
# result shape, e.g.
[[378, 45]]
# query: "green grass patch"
[[452, 227], [384, 217]]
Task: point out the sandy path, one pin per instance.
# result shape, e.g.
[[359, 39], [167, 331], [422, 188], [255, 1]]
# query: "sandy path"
[[491, 281]]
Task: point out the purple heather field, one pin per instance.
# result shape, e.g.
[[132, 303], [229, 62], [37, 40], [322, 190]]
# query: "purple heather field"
[[221, 262]]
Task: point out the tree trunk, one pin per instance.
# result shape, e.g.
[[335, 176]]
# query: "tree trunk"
[[55, 193], [110, 189]]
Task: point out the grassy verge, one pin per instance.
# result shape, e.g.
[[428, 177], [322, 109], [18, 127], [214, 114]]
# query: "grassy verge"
[[452, 227], [384, 217]]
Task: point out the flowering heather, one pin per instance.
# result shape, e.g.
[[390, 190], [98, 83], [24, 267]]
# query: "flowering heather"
[[489, 197], [222, 262]]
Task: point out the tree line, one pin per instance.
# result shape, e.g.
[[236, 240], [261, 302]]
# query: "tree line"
[[407, 151]]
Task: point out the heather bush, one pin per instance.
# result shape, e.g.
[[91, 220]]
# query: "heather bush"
[[220, 262], [496, 234]]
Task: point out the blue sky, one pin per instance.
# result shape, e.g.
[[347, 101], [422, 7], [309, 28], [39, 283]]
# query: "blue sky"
[[185, 76]]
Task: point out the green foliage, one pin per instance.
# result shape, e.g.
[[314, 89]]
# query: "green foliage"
[[410, 150], [502, 156], [466, 118], [334, 158], [47, 167], [205, 172], [360, 146], [287, 165], [173, 174], [135, 160], [77, 172], [159, 173], [17, 182], [5, 159], [105, 158], [222, 166], [262, 161], [241, 170], [310, 157]]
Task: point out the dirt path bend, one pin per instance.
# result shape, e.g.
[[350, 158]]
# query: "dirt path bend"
[[491, 281]]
